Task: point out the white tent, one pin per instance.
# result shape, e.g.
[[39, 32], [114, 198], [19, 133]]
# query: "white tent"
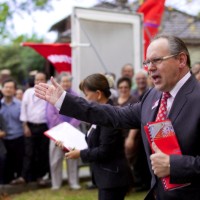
[[103, 41]]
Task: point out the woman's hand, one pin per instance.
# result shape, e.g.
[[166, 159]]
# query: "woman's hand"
[[73, 154], [60, 145]]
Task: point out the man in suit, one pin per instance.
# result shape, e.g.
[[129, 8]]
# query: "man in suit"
[[168, 63]]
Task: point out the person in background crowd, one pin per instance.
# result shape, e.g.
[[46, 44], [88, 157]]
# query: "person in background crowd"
[[128, 71], [105, 153], [4, 75], [141, 84], [125, 97], [31, 81], [14, 139], [133, 144], [56, 155], [2, 149], [124, 92], [33, 116], [19, 94], [111, 80], [168, 63], [1, 95], [196, 70], [111, 74]]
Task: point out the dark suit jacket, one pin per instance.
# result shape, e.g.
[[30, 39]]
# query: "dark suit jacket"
[[106, 155], [2, 147], [185, 117]]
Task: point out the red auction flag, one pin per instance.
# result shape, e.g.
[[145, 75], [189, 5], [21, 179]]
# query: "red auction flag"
[[153, 11], [59, 54]]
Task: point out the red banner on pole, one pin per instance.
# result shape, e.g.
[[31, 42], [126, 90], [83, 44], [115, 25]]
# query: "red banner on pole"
[[153, 11], [59, 54]]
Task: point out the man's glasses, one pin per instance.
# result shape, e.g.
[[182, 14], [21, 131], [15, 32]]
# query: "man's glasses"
[[156, 61]]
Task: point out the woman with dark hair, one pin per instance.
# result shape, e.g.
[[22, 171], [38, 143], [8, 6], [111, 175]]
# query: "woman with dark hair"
[[105, 152], [132, 138], [124, 92]]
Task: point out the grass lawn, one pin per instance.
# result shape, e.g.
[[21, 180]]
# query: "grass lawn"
[[65, 194]]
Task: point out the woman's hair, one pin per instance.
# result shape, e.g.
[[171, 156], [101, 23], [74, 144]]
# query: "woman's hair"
[[96, 82], [124, 79]]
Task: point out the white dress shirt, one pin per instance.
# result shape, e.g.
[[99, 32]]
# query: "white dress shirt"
[[59, 102], [33, 109]]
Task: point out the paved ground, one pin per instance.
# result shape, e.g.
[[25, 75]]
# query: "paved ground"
[[84, 175]]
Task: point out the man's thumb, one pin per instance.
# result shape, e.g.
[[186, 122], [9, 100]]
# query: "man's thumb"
[[54, 83], [155, 147]]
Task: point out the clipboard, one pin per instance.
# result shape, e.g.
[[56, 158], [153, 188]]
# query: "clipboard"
[[71, 137]]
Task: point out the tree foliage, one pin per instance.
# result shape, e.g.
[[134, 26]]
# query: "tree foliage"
[[21, 60], [8, 9]]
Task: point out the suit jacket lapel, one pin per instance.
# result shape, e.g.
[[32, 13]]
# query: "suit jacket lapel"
[[149, 110], [181, 99]]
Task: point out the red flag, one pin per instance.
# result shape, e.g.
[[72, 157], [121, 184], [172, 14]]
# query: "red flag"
[[59, 54], [152, 10]]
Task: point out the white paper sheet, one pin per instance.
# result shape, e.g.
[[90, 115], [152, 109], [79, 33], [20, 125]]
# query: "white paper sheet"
[[69, 135]]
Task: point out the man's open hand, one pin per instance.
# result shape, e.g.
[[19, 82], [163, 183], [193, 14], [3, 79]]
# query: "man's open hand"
[[50, 93]]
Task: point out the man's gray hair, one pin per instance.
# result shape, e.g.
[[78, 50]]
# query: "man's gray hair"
[[64, 74], [176, 46]]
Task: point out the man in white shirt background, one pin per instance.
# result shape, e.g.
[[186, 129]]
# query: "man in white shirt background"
[[36, 161]]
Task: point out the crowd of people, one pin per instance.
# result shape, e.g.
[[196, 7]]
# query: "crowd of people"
[[27, 155], [117, 154]]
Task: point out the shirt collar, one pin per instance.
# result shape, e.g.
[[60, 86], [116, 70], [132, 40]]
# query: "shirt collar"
[[178, 86], [13, 100]]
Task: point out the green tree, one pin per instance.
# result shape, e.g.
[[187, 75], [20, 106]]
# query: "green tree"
[[9, 8], [21, 60]]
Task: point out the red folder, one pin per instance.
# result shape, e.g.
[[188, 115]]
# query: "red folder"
[[163, 135]]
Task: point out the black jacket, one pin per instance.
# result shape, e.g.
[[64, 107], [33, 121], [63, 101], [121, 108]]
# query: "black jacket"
[[2, 127], [106, 156]]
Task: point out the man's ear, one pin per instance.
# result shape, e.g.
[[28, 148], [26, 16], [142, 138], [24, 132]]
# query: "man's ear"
[[182, 59]]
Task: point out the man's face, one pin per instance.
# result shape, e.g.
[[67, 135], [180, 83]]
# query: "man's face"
[[127, 71], [66, 83], [40, 78], [166, 73], [196, 71], [8, 89], [141, 81], [198, 76], [19, 94]]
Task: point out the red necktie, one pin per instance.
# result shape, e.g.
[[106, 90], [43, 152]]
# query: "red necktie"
[[162, 112]]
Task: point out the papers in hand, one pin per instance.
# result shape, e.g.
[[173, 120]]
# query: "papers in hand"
[[69, 135]]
